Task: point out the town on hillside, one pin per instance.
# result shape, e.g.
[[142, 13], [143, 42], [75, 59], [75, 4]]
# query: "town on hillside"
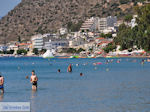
[[92, 40]]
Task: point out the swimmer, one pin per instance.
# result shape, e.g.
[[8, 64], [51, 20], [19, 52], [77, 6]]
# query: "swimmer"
[[27, 77], [118, 61], [77, 64], [148, 60], [95, 68], [34, 80], [18, 68], [143, 62], [107, 69], [58, 70], [94, 64], [69, 68], [81, 74], [112, 60], [2, 84]]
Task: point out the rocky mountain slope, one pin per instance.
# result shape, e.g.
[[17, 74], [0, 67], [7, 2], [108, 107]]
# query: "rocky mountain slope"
[[43, 16]]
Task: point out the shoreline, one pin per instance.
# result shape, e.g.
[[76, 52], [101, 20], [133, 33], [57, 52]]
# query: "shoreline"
[[79, 57]]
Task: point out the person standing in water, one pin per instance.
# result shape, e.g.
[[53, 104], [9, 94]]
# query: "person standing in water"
[[69, 68], [2, 83], [34, 80]]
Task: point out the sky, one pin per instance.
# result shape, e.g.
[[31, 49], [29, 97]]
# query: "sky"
[[7, 5]]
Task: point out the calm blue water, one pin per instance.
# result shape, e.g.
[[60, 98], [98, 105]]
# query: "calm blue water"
[[113, 87]]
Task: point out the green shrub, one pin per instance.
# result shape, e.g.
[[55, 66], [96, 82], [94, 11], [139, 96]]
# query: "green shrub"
[[35, 51], [21, 51]]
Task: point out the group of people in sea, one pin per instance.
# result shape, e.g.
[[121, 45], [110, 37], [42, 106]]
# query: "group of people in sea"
[[33, 79], [119, 60]]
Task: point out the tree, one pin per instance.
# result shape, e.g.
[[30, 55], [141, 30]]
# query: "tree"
[[71, 50], [22, 51], [109, 47], [74, 26], [10, 52], [124, 1], [19, 39], [128, 37], [128, 18], [35, 51], [108, 35], [43, 50], [80, 50]]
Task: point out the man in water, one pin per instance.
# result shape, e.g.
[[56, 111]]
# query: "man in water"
[[69, 68], [34, 80], [58, 70], [2, 83]]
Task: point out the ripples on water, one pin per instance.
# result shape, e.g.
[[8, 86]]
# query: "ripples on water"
[[112, 87]]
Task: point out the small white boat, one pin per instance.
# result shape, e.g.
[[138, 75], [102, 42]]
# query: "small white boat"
[[91, 56], [48, 54]]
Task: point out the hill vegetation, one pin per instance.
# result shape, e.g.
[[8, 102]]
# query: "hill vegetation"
[[32, 17]]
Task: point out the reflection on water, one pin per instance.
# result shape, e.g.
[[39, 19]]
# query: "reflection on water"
[[33, 94], [32, 102], [1, 96]]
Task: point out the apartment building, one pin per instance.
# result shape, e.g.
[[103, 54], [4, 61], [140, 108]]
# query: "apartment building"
[[37, 42], [54, 43], [90, 25], [107, 23]]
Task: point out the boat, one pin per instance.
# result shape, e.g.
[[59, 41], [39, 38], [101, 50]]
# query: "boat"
[[91, 56], [111, 57], [108, 56], [74, 56], [48, 54]]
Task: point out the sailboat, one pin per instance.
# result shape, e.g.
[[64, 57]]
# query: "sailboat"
[[48, 54]]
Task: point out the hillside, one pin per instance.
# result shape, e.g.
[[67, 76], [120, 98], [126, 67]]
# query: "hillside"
[[43, 16]]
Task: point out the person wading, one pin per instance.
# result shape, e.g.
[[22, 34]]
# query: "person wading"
[[34, 80], [2, 83]]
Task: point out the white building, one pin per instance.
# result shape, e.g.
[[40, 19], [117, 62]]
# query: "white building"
[[107, 23], [63, 31], [133, 22], [12, 47], [102, 24], [3, 47], [76, 42], [37, 42], [90, 25], [54, 43]]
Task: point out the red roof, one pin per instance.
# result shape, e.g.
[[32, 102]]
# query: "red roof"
[[100, 38], [103, 42], [23, 44]]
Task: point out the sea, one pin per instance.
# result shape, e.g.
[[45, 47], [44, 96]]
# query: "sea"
[[107, 84]]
